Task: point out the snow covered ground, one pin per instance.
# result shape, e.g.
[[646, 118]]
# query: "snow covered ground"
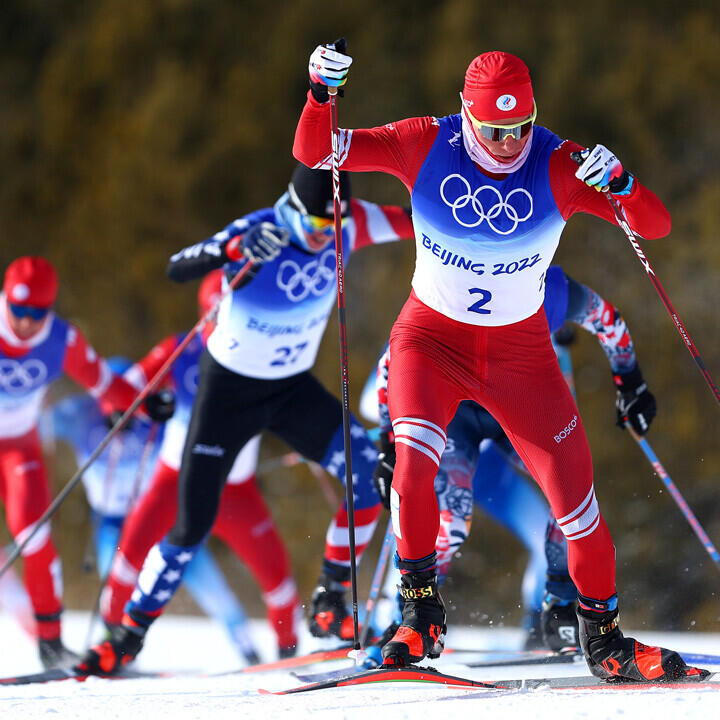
[[190, 646]]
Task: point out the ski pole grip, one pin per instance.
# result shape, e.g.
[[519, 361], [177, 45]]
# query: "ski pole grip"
[[576, 155]]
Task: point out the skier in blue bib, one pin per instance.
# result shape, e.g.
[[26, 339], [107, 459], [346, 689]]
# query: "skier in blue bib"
[[255, 376]]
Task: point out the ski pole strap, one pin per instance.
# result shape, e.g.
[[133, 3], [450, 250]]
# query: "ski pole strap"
[[423, 565]]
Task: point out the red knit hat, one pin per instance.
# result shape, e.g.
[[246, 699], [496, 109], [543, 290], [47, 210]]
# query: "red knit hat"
[[31, 280], [497, 86], [210, 290]]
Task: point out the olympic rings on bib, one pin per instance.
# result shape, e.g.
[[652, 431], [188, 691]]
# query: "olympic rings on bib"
[[502, 205], [315, 277], [18, 378]]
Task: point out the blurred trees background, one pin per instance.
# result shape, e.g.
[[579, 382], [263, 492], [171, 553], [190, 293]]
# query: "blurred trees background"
[[131, 129]]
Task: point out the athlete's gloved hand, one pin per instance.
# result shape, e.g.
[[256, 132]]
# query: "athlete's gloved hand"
[[263, 242], [634, 403], [160, 405], [383, 473], [600, 169], [328, 66]]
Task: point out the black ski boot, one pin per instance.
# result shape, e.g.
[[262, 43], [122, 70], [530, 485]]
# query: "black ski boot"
[[612, 656], [286, 652], [121, 648], [559, 623], [328, 610], [423, 627], [53, 654]]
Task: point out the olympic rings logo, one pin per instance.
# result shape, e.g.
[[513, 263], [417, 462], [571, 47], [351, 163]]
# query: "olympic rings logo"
[[18, 378], [315, 277], [501, 205]]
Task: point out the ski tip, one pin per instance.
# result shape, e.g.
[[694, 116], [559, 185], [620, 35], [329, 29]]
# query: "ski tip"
[[263, 691]]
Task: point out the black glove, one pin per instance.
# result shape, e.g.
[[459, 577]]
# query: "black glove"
[[383, 473], [634, 403], [319, 90], [160, 405], [264, 242]]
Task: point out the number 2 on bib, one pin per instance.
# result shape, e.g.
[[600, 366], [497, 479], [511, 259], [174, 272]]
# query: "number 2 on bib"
[[485, 298]]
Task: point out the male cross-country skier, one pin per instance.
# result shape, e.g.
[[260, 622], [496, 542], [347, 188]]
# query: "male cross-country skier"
[[472, 467], [254, 376], [490, 193], [37, 347], [243, 520]]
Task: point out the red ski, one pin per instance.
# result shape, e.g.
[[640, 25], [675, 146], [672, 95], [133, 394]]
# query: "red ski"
[[430, 675], [390, 674], [300, 660]]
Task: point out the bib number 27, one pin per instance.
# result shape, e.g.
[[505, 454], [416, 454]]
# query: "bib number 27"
[[288, 355], [484, 299]]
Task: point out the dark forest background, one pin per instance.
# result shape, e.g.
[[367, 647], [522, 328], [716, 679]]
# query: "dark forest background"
[[129, 129]]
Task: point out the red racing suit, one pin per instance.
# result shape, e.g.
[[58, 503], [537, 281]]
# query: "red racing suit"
[[473, 327], [27, 368]]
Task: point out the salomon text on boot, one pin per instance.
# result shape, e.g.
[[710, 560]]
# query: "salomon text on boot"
[[423, 627], [612, 656]]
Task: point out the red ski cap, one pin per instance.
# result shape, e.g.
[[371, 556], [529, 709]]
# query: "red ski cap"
[[498, 86], [210, 289], [31, 280]]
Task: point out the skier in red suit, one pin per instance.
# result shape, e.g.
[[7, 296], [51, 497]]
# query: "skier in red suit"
[[490, 193], [36, 347]]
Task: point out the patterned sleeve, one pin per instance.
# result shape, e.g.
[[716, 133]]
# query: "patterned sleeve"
[[602, 319], [196, 261]]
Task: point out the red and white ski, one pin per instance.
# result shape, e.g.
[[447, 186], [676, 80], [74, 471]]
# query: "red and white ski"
[[430, 675]]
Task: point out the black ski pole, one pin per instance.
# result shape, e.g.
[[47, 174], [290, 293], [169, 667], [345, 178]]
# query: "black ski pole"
[[349, 495]]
